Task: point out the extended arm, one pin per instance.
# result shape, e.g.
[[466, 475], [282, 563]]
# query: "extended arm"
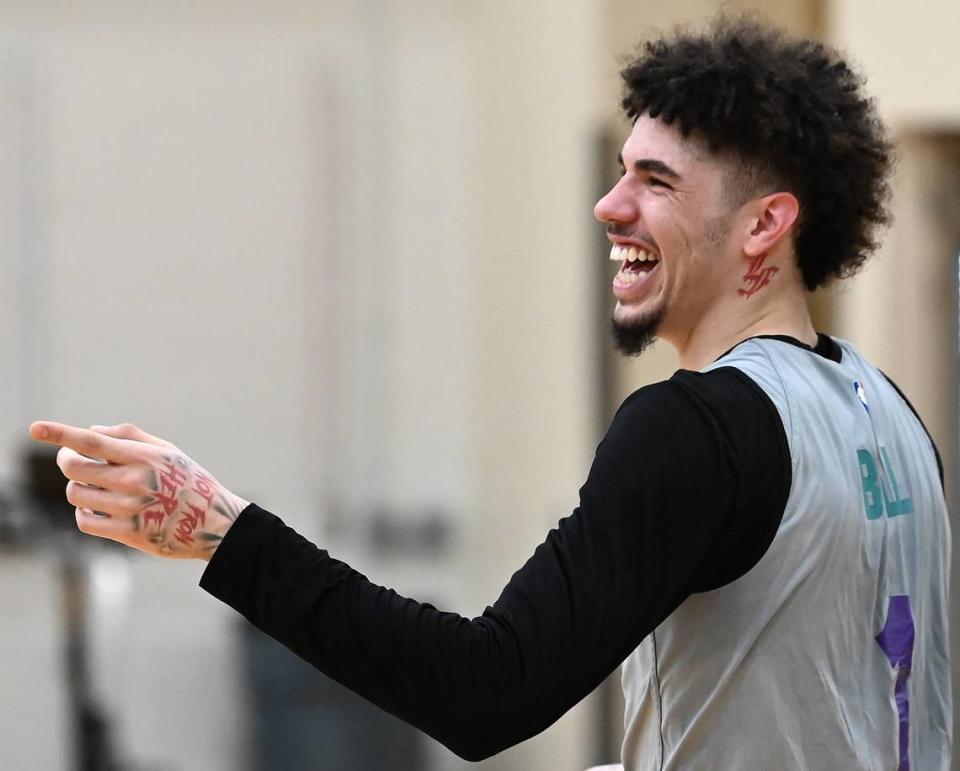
[[685, 494]]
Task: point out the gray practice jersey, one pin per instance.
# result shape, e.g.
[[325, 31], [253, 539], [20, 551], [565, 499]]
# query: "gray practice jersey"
[[832, 652]]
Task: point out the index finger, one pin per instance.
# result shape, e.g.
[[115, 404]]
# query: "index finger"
[[84, 441]]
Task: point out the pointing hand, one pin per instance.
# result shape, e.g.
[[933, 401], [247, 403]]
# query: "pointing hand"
[[140, 490]]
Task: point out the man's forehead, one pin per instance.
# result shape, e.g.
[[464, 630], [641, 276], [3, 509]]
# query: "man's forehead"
[[655, 140]]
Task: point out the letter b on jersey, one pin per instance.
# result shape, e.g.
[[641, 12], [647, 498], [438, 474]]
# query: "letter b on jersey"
[[875, 498]]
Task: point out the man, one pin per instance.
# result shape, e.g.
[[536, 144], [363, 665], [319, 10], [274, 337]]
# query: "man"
[[762, 539]]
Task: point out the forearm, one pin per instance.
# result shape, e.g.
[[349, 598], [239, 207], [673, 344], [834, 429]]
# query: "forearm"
[[566, 619], [475, 685]]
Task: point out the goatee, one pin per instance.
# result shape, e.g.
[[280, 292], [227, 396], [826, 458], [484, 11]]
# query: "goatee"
[[633, 338]]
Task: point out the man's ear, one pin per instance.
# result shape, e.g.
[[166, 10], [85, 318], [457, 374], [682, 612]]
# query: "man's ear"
[[771, 221]]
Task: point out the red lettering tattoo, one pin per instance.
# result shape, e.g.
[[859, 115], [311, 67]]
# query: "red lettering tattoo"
[[191, 520], [154, 516], [203, 486], [167, 502], [171, 480], [756, 277]]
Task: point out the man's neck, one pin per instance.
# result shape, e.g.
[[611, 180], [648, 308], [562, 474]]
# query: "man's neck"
[[727, 326]]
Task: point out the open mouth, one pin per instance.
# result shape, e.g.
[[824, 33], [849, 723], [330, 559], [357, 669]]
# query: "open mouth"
[[636, 262]]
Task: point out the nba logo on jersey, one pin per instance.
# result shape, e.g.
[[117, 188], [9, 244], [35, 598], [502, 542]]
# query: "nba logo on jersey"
[[861, 395]]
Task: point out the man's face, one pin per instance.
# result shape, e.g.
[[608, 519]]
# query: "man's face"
[[669, 207]]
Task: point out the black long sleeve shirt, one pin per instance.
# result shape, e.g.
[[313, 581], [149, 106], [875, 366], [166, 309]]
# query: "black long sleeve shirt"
[[684, 495]]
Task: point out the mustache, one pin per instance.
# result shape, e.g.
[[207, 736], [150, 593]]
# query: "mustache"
[[622, 231]]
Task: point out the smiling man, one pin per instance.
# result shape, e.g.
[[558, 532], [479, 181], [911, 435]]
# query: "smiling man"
[[762, 540], [678, 225]]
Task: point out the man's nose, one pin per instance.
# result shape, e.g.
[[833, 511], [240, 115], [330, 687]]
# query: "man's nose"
[[615, 206]]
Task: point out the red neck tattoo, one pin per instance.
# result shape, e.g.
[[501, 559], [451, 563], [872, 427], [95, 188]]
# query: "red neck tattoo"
[[756, 276]]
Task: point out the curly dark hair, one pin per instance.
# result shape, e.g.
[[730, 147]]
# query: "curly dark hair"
[[790, 115]]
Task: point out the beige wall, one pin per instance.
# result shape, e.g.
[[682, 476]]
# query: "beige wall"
[[529, 291], [909, 55], [340, 253]]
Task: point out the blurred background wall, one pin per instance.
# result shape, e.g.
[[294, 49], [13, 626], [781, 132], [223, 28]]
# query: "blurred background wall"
[[343, 254]]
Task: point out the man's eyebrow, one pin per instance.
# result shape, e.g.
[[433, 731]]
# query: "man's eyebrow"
[[651, 165]]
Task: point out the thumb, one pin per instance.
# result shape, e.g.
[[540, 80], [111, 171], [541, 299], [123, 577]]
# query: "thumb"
[[130, 431]]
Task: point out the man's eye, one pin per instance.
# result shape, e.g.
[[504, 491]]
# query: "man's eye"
[[658, 182]]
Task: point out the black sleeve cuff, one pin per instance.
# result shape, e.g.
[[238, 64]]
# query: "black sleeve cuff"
[[231, 573]]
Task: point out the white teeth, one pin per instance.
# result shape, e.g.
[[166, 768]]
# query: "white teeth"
[[620, 253], [627, 277]]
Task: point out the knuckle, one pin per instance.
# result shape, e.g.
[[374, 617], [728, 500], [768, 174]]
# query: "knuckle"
[[131, 480], [128, 428], [140, 458]]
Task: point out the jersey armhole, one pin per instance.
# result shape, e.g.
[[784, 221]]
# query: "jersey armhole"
[[751, 550]]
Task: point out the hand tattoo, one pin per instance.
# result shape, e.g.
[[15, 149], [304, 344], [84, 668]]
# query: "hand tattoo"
[[175, 515], [148, 493]]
